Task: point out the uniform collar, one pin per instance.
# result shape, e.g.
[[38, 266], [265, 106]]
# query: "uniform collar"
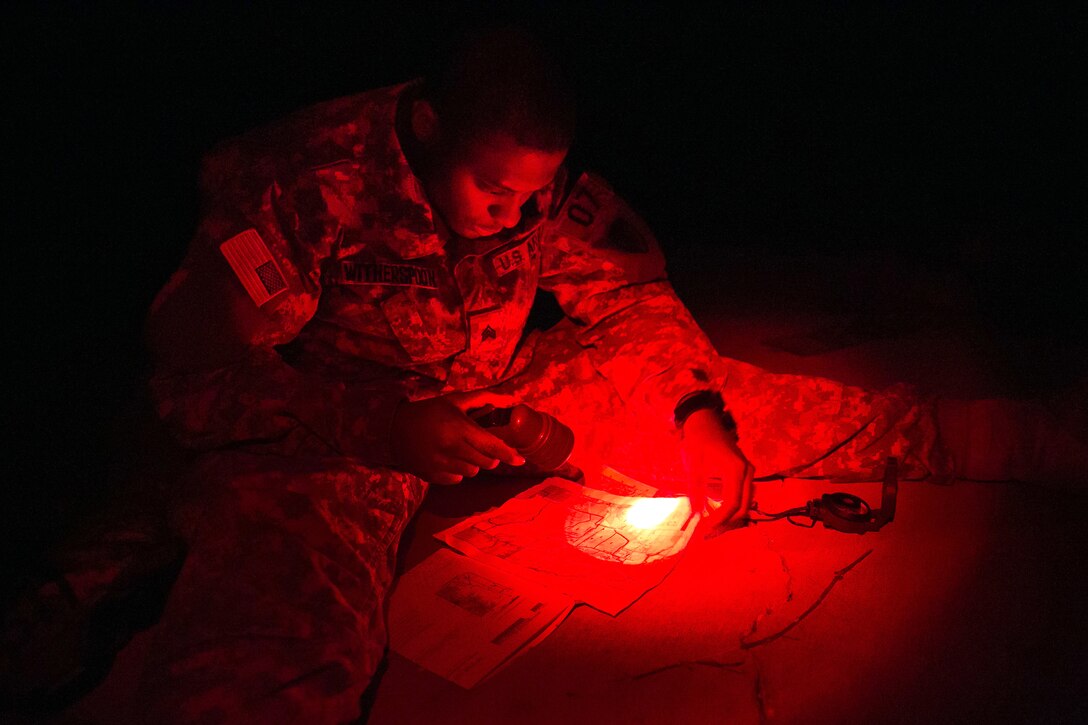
[[403, 218]]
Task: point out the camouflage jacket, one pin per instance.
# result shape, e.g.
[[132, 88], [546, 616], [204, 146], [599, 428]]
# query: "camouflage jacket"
[[318, 292]]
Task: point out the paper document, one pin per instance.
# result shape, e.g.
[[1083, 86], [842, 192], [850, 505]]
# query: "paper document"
[[464, 620], [614, 482], [598, 548]]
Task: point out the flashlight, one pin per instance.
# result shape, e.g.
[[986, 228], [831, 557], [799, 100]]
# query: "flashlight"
[[538, 437]]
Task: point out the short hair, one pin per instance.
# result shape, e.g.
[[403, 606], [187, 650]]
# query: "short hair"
[[501, 80]]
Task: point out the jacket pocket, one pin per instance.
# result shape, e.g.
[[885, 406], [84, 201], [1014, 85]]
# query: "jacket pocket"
[[424, 327]]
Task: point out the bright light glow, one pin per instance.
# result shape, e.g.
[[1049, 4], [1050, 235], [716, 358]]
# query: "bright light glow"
[[649, 512]]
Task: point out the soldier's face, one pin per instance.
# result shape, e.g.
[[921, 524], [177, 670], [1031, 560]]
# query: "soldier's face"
[[480, 190]]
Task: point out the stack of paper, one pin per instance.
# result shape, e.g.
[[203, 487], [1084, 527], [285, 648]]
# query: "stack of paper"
[[526, 564], [463, 620]]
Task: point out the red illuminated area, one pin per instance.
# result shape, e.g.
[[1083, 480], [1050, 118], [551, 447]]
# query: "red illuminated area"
[[648, 513], [641, 532], [775, 622], [779, 418]]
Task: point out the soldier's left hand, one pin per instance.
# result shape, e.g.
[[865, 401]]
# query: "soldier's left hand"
[[720, 474]]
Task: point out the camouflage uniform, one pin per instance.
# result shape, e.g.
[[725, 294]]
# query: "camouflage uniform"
[[294, 513]]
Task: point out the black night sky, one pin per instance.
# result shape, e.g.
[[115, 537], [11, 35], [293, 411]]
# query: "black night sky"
[[951, 135]]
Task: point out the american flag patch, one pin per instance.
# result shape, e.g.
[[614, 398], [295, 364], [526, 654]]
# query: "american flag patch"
[[254, 266]]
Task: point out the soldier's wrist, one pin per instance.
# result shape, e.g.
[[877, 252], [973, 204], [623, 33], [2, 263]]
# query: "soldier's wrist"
[[703, 411]]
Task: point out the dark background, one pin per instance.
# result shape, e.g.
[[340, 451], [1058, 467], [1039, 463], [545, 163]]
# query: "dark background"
[[950, 136]]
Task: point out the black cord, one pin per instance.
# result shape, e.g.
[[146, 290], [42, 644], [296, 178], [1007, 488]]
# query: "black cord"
[[856, 509], [799, 511], [809, 525]]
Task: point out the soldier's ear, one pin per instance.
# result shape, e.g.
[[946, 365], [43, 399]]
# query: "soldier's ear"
[[425, 125]]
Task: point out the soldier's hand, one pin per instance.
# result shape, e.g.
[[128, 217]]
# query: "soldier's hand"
[[720, 474], [438, 442]]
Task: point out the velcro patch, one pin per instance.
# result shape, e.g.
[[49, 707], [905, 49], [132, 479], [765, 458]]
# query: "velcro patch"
[[253, 264], [492, 340], [396, 275], [593, 212], [511, 259]]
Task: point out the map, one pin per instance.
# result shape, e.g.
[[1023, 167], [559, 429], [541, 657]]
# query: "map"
[[595, 547]]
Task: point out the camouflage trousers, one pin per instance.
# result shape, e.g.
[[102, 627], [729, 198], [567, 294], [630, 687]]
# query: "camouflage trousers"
[[278, 614], [788, 425]]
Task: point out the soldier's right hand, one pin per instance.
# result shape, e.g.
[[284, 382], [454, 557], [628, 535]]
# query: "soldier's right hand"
[[438, 442]]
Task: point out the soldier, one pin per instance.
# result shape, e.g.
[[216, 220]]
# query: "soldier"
[[360, 279]]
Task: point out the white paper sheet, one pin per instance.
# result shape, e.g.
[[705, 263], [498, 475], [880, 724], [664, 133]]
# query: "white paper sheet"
[[464, 620]]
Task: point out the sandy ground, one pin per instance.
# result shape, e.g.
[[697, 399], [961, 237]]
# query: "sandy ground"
[[965, 608]]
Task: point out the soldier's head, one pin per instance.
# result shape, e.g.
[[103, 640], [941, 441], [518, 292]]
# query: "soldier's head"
[[493, 124]]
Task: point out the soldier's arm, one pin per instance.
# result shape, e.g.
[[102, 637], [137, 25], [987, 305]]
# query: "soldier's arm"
[[606, 270], [249, 283]]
